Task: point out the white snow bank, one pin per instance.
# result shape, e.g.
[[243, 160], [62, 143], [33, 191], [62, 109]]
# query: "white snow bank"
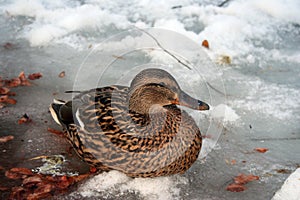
[[224, 112], [116, 183], [290, 190]]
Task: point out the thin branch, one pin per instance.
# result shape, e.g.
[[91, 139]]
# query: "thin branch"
[[165, 50], [223, 3]]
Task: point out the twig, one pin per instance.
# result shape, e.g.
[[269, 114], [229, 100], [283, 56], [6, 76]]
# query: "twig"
[[212, 87], [223, 3], [178, 60], [165, 50]]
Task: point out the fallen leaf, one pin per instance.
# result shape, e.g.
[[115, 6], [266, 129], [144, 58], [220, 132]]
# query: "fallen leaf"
[[13, 82], [233, 187], [205, 43], [17, 193], [32, 180], [41, 192], [24, 119], [261, 150], [8, 45], [35, 76], [283, 171], [21, 170], [240, 181], [93, 169], [6, 138], [62, 74], [4, 90], [243, 179], [3, 188], [11, 101], [3, 98], [57, 132]]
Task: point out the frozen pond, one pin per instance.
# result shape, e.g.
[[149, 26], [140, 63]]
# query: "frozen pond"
[[250, 75]]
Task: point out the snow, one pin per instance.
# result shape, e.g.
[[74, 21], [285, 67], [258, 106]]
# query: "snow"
[[161, 188], [290, 188]]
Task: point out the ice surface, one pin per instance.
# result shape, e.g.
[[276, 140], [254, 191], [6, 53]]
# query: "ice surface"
[[255, 98]]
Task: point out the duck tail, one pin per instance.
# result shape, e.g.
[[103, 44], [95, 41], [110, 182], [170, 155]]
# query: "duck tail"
[[54, 109]]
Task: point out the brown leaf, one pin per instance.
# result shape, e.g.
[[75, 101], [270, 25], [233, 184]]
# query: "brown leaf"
[[93, 169], [3, 98], [12, 175], [62, 74], [243, 179], [236, 187], [6, 138], [3, 188], [11, 94], [35, 76], [32, 180], [17, 193], [8, 45], [11, 101], [41, 192], [261, 150], [283, 171], [23, 79], [205, 43], [13, 82], [57, 132], [4, 90], [24, 119], [21, 170], [80, 177]]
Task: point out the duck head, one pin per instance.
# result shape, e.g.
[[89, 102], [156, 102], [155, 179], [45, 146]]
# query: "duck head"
[[156, 87]]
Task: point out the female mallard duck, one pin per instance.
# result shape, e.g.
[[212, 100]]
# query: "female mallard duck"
[[138, 130]]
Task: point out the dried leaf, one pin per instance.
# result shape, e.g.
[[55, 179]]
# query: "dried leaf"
[[205, 44], [3, 98], [4, 90], [62, 74], [8, 45], [57, 132], [41, 192], [35, 76], [283, 171], [17, 193], [236, 187], [23, 79], [11, 101], [93, 169], [3, 188], [11, 94], [21, 170], [24, 119], [13, 82], [243, 179], [6, 138], [261, 150], [12, 175], [32, 180]]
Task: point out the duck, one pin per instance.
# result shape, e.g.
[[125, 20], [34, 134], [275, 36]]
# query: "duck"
[[140, 130]]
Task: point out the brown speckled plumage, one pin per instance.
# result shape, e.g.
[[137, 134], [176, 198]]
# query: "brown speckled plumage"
[[138, 130]]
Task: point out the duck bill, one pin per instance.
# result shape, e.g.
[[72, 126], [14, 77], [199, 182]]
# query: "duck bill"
[[188, 101]]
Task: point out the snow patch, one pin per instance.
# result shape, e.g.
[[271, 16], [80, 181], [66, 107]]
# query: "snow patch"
[[116, 183]]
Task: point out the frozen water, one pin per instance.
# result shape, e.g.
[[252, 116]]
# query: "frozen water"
[[261, 81]]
